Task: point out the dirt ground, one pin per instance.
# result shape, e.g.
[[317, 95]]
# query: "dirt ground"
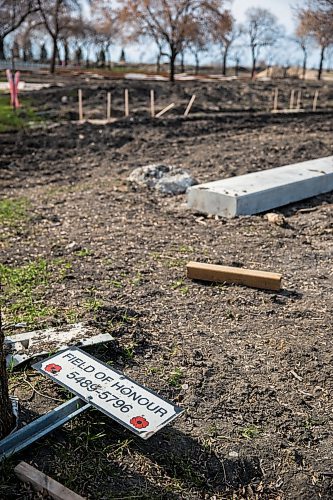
[[211, 97], [251, 368]]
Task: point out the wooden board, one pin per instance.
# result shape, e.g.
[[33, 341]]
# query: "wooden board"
[[248, 277], [40, 482]]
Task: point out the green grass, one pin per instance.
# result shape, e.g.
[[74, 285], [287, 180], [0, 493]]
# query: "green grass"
[[13, 120], [250, 432], [179, 285], [85, 252], [23, 299], [92, 304], [176, 378], [12, 211]]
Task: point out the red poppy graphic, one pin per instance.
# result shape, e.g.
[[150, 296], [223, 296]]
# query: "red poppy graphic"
[[53, 368], [139, 422]]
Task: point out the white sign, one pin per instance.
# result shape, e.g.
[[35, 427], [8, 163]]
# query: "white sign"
[[139, 409]]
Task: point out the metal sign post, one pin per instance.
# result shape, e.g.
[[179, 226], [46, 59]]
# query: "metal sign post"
[[42, 426]]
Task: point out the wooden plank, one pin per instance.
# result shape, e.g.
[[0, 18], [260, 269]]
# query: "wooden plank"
[[292, 98], [236, 275], [165, 110], [42, 482]]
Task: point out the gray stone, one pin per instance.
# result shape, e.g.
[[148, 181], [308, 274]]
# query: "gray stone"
[[167, 179]]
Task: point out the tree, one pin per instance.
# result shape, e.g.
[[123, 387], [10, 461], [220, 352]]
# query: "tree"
[[164, 20], [303, 40], [321, 4], [58, 16], [101, 58], [197, 39], [24, 37], [224, 33], [317, 22], [7, 420], [78, 56], [262, 30], [43, 54], [12, 14], [103, 27], [236, 54]]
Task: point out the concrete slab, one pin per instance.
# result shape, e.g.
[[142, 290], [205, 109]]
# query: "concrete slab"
[[260, 191]]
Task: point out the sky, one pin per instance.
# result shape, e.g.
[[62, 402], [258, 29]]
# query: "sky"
[[280, 8]]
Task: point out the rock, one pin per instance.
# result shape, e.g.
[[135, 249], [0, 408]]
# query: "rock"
[[64, 99], [277, 219], [167, 179]]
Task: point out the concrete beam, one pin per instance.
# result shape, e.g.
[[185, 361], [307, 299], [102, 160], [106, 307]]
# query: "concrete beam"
[[260, 191]]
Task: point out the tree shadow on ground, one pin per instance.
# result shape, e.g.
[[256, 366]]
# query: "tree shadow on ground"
[[110, 463], [196, 466]]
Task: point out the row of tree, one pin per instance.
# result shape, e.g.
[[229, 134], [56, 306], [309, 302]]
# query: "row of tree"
[[175, 26]]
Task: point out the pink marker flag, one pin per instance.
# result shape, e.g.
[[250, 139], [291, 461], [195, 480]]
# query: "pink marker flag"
[[13, 87], [16, 84]]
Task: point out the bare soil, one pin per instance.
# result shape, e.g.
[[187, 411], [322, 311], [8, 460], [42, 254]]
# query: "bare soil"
[[251, 368]]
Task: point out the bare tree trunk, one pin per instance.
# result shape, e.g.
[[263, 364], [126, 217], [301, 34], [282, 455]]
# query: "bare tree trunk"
[[224, 62], [322, 56], [54, 54], [237, 67], [305, 57], [2, 49], [66, 51], [254, 62], [158, 62], [182, 65], [196, 63], [7, 420], [173, 65], [304, 67]]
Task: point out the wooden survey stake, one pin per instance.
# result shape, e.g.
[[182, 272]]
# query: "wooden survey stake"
[[108, 106], [276, 96], [40, 482], [315, 100], [161, 113], [239, 276], [152, 103], [189, 106], [126, 103], [80, 106]]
